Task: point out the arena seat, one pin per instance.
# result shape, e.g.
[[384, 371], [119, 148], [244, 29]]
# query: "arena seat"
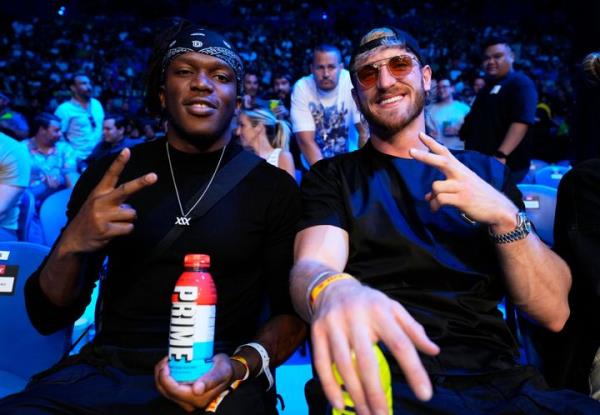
[[534, 166], [540, 205], [53, 218], [26, 213], [550, 175], [23, 350], [53, 214]]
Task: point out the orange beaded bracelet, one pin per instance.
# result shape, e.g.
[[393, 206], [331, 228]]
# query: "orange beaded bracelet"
[[316, 291]]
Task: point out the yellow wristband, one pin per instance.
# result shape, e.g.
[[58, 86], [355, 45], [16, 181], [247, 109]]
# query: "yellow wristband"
[[321, 286], [212, 407], [244, 363]]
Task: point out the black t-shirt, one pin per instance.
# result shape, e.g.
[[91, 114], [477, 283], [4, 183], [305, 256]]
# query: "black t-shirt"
[[568, 355], [443, 270], [248, 234], [585, 131], [499, 104]]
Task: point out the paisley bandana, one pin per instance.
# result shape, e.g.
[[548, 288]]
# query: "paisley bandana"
[[207, 42]]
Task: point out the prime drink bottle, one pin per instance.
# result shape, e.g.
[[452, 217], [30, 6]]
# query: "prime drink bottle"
[[191, 337]]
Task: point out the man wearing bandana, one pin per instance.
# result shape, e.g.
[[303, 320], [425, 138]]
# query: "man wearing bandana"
[[122, 208]]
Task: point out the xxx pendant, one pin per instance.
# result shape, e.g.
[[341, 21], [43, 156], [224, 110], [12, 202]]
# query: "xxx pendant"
[[182, 221]]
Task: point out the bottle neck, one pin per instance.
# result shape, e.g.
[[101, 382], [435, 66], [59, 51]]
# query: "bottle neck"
[[196, 269]]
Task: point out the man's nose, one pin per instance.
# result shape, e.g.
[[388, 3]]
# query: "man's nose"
[[202, 80], [385, 78]]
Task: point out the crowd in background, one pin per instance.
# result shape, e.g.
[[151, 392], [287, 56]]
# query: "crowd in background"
[[52, 67], [38, 55], [41, 56]]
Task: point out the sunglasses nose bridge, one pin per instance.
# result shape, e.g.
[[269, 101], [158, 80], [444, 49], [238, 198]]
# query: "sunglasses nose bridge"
[[385, 77], [395, 68]]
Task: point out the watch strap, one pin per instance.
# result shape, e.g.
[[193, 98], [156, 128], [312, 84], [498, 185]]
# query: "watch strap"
[[521, 231], [264, 357]]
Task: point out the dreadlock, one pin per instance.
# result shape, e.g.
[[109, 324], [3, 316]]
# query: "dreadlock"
[[154, 79]]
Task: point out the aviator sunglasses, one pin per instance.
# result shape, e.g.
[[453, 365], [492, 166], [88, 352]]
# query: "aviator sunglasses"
[[399, 66]]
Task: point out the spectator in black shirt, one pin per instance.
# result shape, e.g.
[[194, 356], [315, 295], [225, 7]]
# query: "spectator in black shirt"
[[113, 138], [499, 121], [586, 125], [568, 356]]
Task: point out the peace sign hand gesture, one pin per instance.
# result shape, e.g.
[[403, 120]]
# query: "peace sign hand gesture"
[[104, 215], [464, 189]]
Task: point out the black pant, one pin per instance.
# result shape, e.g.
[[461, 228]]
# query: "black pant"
[[85, 389], [516, 391]]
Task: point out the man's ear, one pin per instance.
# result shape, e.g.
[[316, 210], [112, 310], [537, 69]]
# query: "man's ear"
[[426, 73], [261, 127]]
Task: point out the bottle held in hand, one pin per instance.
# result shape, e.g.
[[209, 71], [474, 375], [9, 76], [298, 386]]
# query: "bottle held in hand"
[[191, 336]]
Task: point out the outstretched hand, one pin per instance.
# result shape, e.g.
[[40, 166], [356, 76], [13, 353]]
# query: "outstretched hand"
[[462, 188], [350, 318], [104, 215]]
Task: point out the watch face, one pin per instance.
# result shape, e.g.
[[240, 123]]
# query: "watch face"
[[525, 222]]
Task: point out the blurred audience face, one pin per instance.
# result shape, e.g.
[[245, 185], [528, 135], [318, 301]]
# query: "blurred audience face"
[[246, 131], [110, 133], [149, 132], [132, 130], [251, 84], [82, 88], [478, 84], [498, 60], [444, 90], [282, 87], [326, 69], [50, 135]]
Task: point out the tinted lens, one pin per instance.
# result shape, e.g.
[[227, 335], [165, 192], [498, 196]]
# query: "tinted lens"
[[400, 65], [367, 75]]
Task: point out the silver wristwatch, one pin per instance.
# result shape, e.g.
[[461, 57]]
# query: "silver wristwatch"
[[521, 231]]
